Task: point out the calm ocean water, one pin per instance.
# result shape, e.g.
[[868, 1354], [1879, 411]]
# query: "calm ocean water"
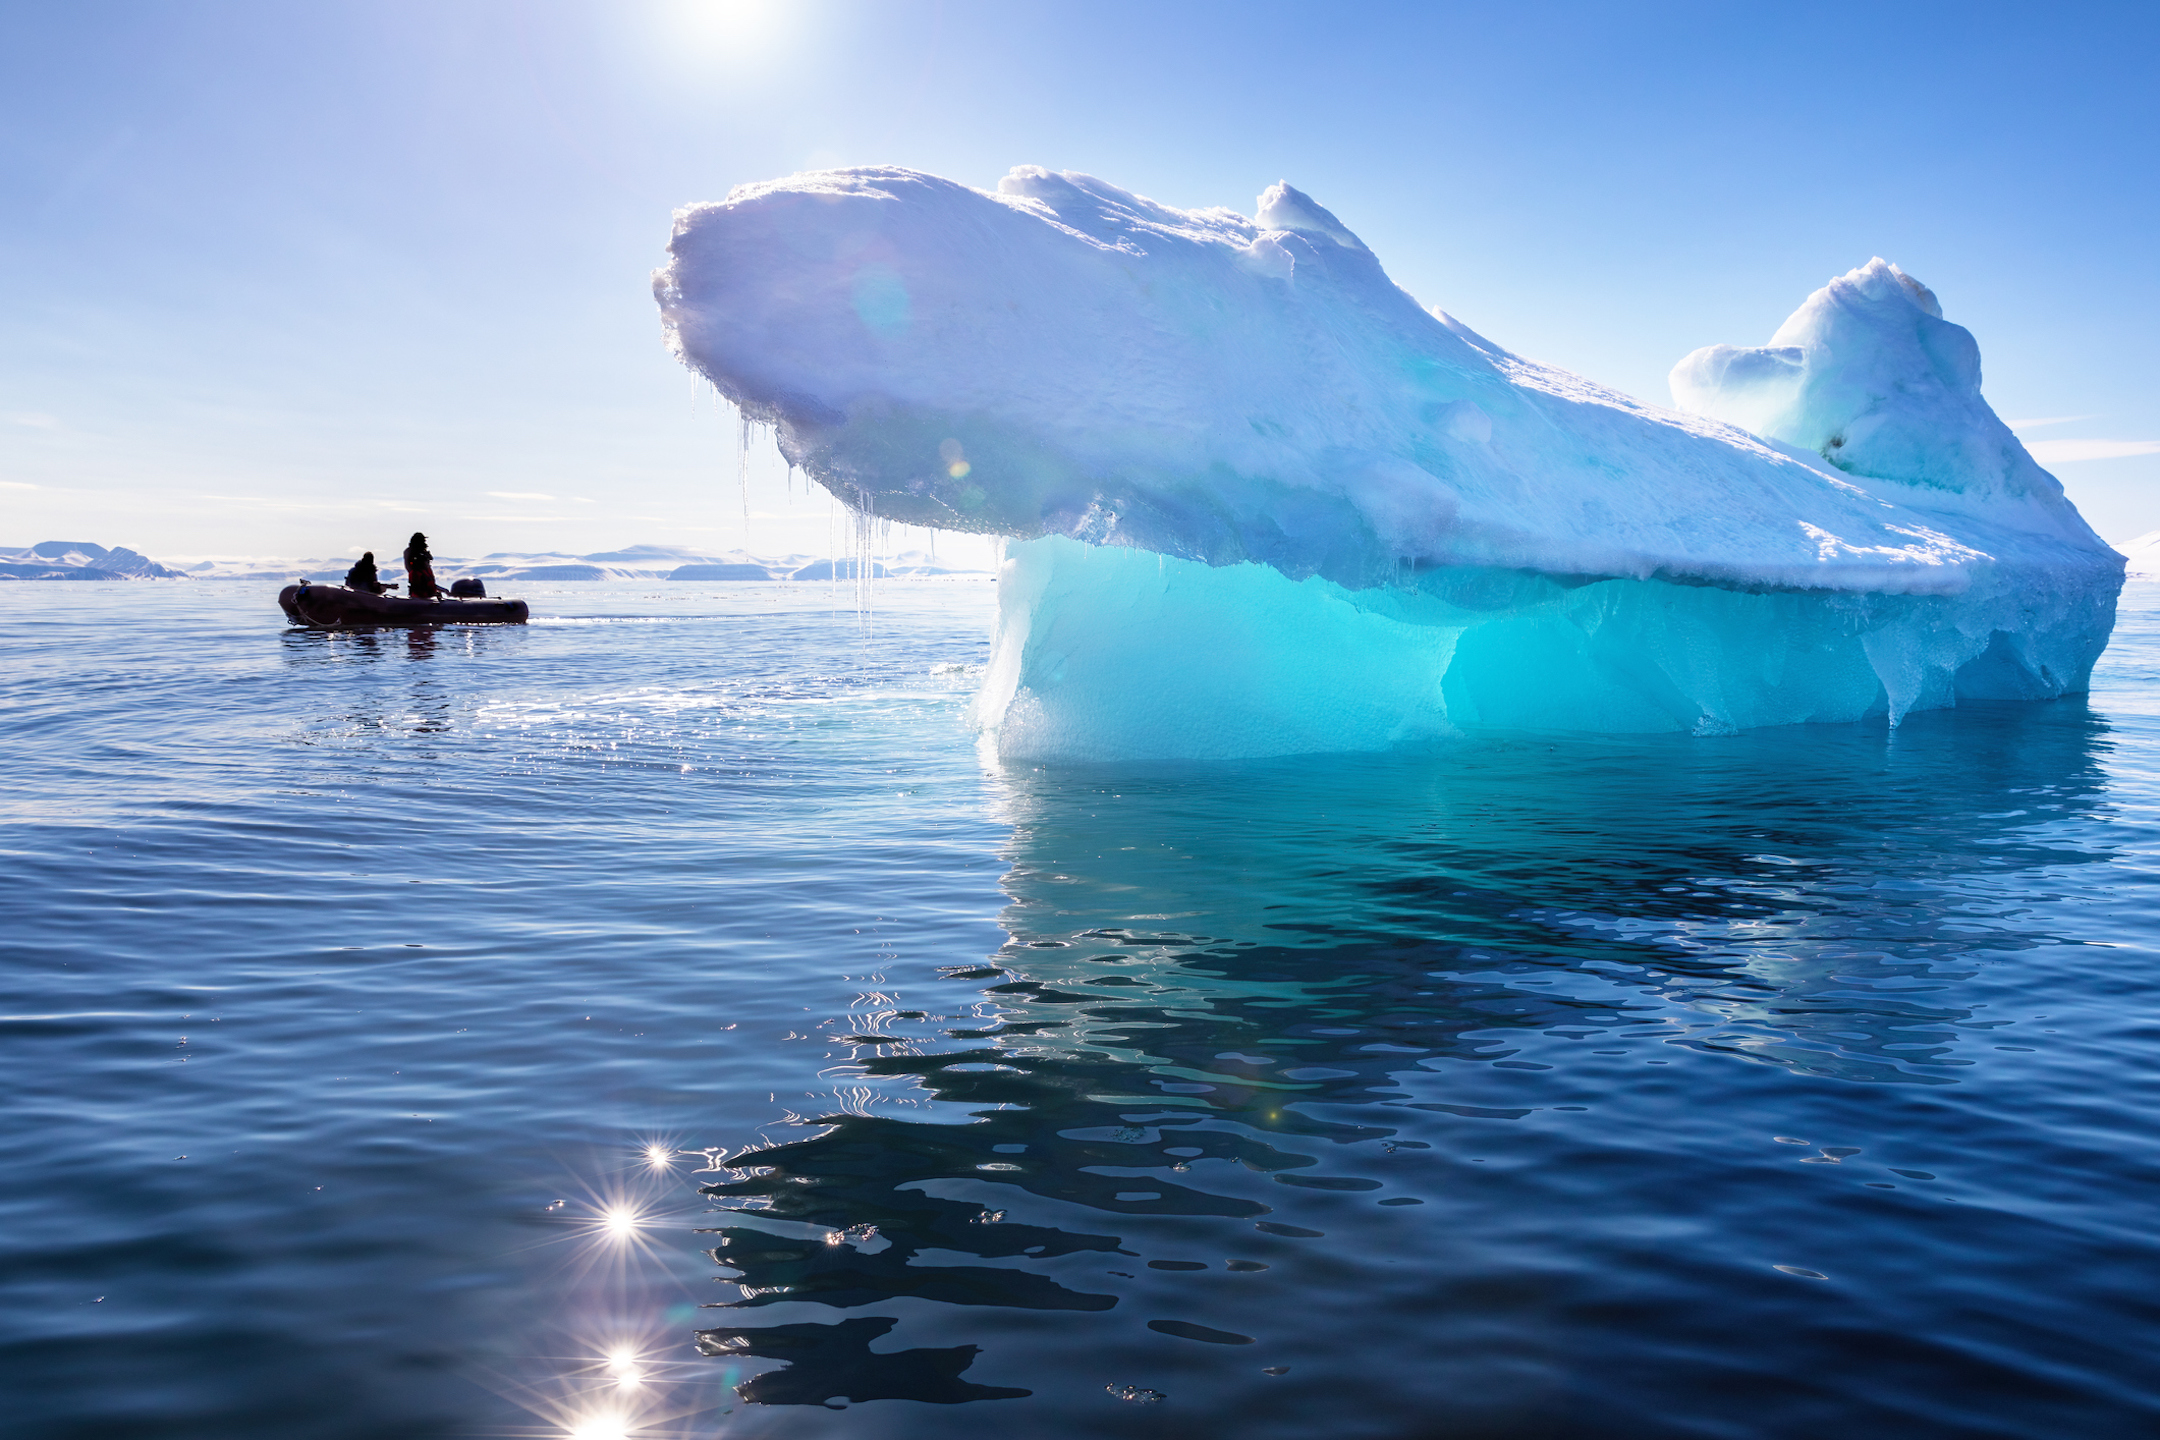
[[659, 1021]]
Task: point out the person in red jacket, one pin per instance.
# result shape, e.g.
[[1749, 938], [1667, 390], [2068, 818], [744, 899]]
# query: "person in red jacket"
[[420, 570]]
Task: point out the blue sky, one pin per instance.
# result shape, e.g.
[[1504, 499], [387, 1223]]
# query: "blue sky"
[[293, 279]]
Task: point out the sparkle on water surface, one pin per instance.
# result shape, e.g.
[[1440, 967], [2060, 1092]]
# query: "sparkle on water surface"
[[658, 1021]]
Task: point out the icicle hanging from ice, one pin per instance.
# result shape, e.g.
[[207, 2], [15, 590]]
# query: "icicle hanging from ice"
[[742, 459]]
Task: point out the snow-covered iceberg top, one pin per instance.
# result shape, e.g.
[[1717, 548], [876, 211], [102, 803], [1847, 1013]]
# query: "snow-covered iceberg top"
[[1871, 377], [1062, 357]]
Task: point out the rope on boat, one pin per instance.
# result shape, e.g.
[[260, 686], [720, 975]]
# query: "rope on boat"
[[299, 604]]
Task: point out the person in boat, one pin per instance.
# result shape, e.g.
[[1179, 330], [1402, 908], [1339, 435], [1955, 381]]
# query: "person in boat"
[[362, 576], [420, 570]]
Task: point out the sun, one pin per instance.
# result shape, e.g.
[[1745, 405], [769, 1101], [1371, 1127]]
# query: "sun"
[[730, 24], [621, 1221]]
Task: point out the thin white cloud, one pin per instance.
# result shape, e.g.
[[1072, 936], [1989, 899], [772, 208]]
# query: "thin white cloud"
[[2065, 452], [32, 419], [2050, 420], [327, 507], [518, 519], [517, 495], [16, 485], [272, 502]]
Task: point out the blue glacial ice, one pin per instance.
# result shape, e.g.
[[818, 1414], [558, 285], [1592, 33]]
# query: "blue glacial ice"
[[1259, 501]]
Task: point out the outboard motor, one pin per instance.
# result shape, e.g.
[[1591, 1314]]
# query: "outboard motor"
[[468, 589]]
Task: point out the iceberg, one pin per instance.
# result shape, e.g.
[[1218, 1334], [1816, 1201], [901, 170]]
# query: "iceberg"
[[1257, 500]]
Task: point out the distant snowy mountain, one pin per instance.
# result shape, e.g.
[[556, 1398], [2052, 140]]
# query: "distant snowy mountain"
[[2144, 555], [80, 560]]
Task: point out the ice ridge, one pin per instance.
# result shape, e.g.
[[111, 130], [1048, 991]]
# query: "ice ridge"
[[1249, 477]]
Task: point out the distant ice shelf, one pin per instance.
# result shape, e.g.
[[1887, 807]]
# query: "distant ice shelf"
[[632, 562], [1259, 501]]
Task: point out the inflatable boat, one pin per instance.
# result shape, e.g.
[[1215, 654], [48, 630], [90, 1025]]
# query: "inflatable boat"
[[329, 606]]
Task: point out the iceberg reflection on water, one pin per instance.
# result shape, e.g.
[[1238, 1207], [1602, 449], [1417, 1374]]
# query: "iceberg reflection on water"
[[1342, 1056]]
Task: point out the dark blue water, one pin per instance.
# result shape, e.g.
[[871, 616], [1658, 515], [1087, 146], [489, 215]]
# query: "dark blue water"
[[659, 1021]]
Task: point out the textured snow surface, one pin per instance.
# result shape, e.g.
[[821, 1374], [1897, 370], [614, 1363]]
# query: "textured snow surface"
[[1368, 523]]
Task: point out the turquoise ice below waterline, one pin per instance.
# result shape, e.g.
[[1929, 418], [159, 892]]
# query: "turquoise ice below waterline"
[[1111, 653]]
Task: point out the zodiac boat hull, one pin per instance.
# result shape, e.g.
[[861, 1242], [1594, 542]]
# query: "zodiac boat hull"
[[330, 606]]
